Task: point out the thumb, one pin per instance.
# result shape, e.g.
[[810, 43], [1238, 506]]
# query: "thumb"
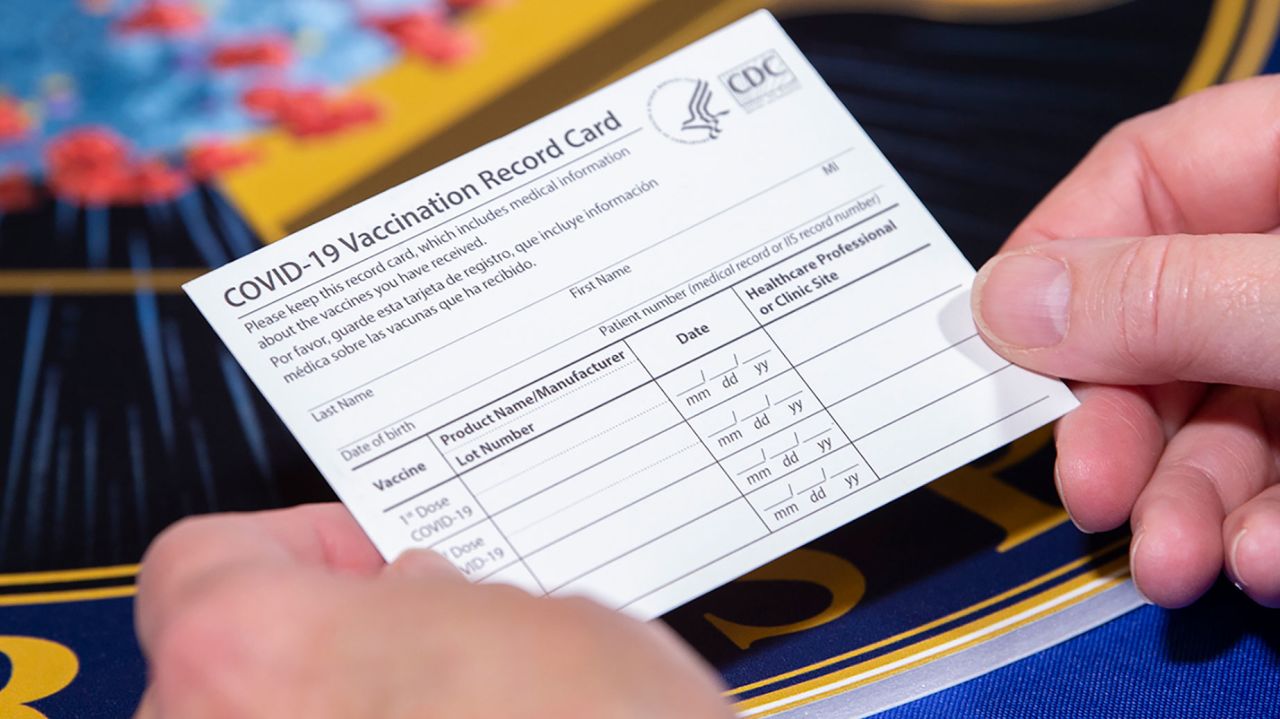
[[423, 564], [147, 706], [1144, 310]]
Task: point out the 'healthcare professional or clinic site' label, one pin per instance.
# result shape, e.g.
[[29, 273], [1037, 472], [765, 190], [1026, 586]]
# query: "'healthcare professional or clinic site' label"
[[638, 347]]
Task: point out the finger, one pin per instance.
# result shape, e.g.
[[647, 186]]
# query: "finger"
[[1216, 463], [1204, 164], [1137, 311], [423, 564], [1174, 403], [188, 553], [146, 706], [323, 534], [1251, 535], [1107, 449]]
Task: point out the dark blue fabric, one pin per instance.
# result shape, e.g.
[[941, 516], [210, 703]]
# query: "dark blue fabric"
[[1218, 658]]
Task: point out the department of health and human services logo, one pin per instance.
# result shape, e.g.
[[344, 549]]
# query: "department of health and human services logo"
[[686, 110]]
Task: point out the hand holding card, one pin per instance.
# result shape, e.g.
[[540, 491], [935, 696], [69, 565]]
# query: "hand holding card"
[[288, 613], [637, 348]]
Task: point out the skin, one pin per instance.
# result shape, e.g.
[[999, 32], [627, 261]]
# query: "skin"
[[1171, 331], [293, 613], [1169, 326]]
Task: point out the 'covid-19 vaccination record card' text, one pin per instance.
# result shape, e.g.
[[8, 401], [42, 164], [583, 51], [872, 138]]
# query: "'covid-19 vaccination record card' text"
[[637, 348]]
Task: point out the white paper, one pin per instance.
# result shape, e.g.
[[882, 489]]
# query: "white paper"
[[638, 347]]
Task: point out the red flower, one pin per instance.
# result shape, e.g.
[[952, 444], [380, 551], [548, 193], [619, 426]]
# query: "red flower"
[[155, 181], [89, 166], [268, 100], [106, 185], [92, 166], [265, 52], [17, 193], [309, 112], [326, 116], [86, 148], [425, 34], [14, 123], [208, 159], [163, 18]]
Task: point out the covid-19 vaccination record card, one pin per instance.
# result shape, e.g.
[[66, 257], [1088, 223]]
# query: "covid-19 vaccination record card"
[[637, 348]]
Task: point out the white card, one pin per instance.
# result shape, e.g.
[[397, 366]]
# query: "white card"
[[638, 347]]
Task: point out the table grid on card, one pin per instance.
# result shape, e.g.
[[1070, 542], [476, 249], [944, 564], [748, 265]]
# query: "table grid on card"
[[747, 410]]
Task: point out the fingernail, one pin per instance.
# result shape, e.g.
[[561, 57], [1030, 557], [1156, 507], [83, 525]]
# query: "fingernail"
[[1023, 300], [1133, 565], [1057, 483], [1233, 561]]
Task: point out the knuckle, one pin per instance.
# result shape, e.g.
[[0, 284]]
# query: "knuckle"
[[583, 623], [167, 553], [1261, 509], [579, 607], [172, 539], [1150, 291], [1129, 146], [590, 615], [227, 643], [507, 596], [213, 620], [195, 652], [1124, 131], [174, 543]]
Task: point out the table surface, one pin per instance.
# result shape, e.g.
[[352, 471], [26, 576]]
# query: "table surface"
[[1218, 658]]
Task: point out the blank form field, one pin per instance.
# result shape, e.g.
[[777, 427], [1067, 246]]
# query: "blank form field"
[[959, 416]]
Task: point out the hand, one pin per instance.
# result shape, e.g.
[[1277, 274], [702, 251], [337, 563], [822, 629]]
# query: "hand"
[[292, 613], [1151, 276]]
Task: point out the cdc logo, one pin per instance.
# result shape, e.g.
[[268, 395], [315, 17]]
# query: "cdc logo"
[[759, 81]]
